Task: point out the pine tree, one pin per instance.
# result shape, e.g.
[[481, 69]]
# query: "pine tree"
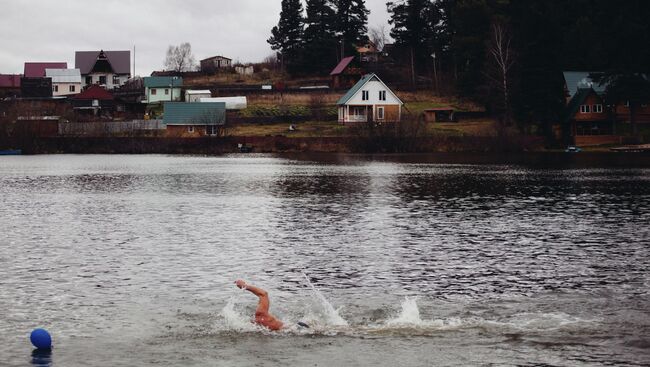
[[320, 46], [288, 36], [351, 23], [415, 27]]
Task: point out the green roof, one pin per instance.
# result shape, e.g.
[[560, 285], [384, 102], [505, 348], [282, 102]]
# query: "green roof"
[[357, 87], [347, 96], [194, 113], [162, 81]]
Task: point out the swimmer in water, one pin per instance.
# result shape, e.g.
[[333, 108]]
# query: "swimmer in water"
[[262, 315]]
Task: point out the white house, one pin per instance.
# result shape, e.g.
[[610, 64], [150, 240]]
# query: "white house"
[[64, 81], [370, 100], [109, 69], [194, 95]]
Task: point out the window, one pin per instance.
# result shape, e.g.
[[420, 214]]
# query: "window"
[[380, 113], [190, 129], [585, 108], [166, 91], [153, 91], [211, 130], [89, 80], [597, 108], [365, 95], [382, 95], [358, 111], [95, 103], [102, 79], [55, 88], [116, 80], [71, 88]]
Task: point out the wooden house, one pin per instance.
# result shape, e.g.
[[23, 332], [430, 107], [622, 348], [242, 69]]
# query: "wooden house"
[[588, 120], [368, 52], [370, 100], [576, 80], [194, 120], [345, 75], [215, 63], [109, 69]]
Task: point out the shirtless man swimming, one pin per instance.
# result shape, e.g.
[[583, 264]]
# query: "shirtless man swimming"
[[262, 315]]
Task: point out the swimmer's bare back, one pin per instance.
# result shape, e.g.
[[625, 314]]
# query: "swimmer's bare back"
[[262, 315]]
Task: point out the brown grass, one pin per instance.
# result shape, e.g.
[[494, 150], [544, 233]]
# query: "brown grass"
[[305, 129]]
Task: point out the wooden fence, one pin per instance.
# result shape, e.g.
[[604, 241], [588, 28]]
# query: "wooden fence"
[[110, 128]]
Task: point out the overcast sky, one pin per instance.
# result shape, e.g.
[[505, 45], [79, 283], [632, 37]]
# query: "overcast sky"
[[52, 30]]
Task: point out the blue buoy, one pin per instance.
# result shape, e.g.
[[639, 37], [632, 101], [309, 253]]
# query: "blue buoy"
[[41, 339]]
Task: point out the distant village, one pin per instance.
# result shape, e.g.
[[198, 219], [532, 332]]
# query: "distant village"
[[99, 97]]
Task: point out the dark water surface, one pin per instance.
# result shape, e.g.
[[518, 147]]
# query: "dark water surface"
[[414, 260]]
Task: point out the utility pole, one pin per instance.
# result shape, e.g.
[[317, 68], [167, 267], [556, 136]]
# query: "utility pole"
[[435, 73]]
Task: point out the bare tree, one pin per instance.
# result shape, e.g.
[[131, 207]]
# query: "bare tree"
[[378, 36], [503, 59], [180, 58]]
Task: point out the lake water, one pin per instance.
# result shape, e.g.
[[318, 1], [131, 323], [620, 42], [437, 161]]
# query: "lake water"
[[393, 261]]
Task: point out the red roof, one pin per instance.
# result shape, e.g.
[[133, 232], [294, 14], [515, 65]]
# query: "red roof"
[[10, 80], [95, 92], [37, 69], [342, 65]]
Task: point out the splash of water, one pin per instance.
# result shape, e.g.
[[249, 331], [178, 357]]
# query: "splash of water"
[[331, 314], [409, 315], [234, 320]]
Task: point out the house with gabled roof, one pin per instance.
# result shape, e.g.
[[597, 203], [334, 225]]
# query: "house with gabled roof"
[[110, 69], [370, 100], [215, 63], [194, 119], [65, 82], [345, 74], [589, 118], [162, 89]]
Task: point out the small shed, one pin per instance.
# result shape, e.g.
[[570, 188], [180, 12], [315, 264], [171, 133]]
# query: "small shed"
[[195, 95], [439, 114]]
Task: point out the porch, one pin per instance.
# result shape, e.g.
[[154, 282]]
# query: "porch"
[[356, 114]]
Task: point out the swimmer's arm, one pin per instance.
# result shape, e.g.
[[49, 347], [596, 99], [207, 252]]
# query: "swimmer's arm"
[[251, 288]]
